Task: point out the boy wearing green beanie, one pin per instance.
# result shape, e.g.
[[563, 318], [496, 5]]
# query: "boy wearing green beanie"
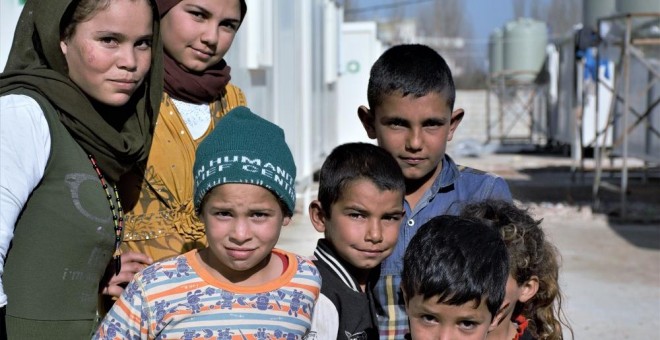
[[239, 285]]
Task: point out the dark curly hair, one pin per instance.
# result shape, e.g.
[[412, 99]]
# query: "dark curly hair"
[[530, 254]]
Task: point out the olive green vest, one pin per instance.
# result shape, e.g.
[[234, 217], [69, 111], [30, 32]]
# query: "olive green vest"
[[63, 241]]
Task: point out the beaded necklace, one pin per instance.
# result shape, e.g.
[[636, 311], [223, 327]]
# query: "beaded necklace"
[[117, 214]]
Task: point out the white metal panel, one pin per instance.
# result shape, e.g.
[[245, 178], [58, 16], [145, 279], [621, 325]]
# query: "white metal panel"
[[294, 87], [596, 120], [562, 119], [10, 10], [259, 34], [305, 74], [360, 48], [331, 41]]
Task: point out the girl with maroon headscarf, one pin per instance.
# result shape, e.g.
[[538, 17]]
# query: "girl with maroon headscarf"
[[160, 219]]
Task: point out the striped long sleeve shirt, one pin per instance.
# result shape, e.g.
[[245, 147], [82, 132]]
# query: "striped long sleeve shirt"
[[179, 299]]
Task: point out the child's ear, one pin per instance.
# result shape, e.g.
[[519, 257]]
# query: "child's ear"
[[64, 47], [499, 317], [456, 118], [286, 220], [529, 289], [317, 216], [368, 121]]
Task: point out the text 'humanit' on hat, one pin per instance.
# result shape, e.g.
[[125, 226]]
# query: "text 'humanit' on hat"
[[245, 148]]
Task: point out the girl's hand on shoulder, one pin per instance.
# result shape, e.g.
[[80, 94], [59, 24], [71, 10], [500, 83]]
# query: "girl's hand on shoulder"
[[131, 263]]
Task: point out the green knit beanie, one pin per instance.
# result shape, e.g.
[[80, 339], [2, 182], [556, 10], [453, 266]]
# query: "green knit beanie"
[[245, 148]]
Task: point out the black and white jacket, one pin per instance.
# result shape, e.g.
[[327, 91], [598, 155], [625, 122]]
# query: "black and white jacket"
[[343, 311]]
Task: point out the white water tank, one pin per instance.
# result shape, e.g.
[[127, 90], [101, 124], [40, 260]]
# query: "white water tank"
[[525, 40], [496, 51], [638, 6]]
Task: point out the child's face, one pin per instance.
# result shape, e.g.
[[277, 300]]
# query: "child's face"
[[518, 293], [414, 130], [364, 223], [243, 223], [198, 33], [430, 320], [109, 54]]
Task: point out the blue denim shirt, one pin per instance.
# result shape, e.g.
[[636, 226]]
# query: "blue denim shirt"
[[455, 187]]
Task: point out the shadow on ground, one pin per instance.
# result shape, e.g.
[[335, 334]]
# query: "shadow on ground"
[[639, 225]]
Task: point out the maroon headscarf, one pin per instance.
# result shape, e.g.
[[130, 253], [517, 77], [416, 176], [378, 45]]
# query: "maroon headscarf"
[[199, 87], [165, 5]]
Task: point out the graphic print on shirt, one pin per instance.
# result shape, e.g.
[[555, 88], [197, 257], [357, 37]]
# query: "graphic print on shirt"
[[74, 181]]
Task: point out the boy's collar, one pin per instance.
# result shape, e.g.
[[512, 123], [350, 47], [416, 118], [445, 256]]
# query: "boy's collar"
[[447, 176], [324, 252]]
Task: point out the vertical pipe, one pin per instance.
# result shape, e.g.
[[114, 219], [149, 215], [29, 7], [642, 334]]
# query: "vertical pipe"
[[597, 149], [488, 90], [626, 111], [648, 124], [306, 94], [501, 102], [578, 116]]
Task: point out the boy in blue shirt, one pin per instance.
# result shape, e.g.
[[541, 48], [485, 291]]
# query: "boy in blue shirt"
[[411, 114]]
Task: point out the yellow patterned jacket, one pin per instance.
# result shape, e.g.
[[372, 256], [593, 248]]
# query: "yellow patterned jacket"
[[160, 220]]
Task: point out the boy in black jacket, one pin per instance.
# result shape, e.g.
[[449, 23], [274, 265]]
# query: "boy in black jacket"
[[359, 210]]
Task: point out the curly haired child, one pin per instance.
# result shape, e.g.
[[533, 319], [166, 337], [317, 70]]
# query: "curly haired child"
[[533, 296]]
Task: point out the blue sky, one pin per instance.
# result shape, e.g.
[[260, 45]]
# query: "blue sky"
[[483, 15], [486, 15]]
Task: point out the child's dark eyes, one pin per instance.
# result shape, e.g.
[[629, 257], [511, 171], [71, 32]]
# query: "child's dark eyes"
[[197, 14], [222, 213], [355, 215], [109, 41], [260, 215], [396, 123], [432, 124], [394, 217], [428, 318], [229, 24], [227, 214], [467, 324], [143, 44]]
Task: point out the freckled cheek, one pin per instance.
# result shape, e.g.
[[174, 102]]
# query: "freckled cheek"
[[90, 57], [92, 63], [88, 54]]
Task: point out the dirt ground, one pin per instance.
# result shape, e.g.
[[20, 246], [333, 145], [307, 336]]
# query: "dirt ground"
[[610, 273]]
